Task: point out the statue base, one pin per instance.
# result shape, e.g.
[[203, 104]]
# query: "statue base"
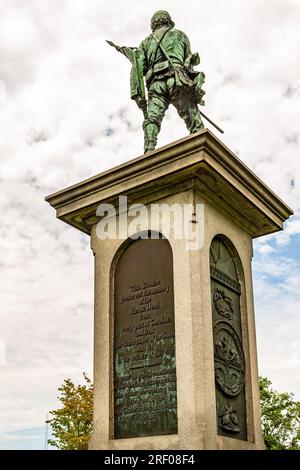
[[175, 362]]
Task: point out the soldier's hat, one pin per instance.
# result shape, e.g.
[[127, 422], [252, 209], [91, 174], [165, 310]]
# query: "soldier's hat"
[[164, 15]]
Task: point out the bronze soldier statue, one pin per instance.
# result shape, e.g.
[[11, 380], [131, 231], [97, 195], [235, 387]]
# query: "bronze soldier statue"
[[165, 59]]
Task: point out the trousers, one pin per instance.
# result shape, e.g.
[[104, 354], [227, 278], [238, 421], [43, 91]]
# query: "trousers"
[[162, 93]]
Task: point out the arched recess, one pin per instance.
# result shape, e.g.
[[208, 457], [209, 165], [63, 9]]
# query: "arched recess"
[[227, 284], [144, 382]]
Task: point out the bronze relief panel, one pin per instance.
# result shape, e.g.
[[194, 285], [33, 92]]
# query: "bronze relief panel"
[[229, 361]]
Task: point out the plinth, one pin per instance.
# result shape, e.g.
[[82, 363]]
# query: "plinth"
[[175, 362]]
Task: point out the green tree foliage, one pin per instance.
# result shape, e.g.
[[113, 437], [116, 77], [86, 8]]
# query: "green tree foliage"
[[280, 418], [72, 424]]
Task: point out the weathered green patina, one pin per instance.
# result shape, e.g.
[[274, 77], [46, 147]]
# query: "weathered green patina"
[[229, 361], [145, 391], [165, 59]]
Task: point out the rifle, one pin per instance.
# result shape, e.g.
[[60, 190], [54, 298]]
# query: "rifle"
[[212, 122], [132, 54]]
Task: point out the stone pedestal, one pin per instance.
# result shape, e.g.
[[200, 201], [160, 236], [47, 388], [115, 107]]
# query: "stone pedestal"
[[175, 364]]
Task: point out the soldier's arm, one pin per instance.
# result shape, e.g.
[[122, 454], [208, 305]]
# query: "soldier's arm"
[[134, 77], [143, 57], [190, 58], [188, 50]]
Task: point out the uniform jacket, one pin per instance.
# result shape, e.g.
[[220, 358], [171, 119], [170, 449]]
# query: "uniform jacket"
[[154, 64]]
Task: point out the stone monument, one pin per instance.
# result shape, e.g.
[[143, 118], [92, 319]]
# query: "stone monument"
[[175, 363]]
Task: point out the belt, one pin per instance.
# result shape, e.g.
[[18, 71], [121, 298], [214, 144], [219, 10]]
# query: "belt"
[[157, 68]]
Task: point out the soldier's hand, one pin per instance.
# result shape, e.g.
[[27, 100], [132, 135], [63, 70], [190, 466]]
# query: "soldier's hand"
[[142, 103]]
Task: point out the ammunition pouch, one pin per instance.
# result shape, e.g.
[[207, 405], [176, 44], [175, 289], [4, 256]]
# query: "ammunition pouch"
[[161, 66], [156, 69]]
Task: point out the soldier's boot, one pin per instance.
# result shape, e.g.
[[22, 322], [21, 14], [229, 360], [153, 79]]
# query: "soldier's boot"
[[150, 136]]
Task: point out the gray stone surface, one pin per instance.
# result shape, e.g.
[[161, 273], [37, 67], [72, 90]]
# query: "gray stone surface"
[[197, 169]]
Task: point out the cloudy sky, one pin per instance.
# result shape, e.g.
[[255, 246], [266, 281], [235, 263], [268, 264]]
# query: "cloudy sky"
[[65, 115]]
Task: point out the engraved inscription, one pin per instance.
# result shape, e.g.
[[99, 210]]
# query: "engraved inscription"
[[145, 371], [224, 279]]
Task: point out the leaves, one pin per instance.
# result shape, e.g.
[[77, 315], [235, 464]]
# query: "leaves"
[[72, 423], [280, 418]]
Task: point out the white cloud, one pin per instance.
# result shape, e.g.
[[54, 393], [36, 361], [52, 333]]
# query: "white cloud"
[[277, 298], [65, 115]]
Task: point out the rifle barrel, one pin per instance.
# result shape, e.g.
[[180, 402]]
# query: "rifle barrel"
[[212, 122]]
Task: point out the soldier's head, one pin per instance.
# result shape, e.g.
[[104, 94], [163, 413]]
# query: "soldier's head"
[[161, 18]]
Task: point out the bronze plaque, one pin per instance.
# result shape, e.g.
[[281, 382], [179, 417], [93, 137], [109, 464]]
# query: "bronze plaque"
[[229, 358], [145, 398]]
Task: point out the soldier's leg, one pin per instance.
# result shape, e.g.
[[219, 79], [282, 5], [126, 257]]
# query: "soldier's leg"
[[157, 106], [189, 111]]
